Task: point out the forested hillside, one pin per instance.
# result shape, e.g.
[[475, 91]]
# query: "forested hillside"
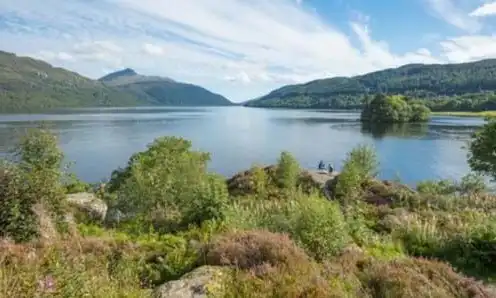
[[28, 84], [416, 80]]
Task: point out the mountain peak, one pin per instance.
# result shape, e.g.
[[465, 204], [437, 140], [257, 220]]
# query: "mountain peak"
[[127, 72]]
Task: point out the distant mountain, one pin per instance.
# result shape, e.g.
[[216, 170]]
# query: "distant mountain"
[[163, 91], [27, 84], [417, 80]]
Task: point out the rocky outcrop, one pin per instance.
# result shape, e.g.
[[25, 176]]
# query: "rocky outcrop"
[[89, 204], [196, 284], [242, 183]]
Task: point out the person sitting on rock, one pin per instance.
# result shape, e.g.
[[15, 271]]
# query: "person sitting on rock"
[[321, 165], [330, 168]]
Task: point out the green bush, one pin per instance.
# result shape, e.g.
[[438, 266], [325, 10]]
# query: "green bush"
[[168, 188], [313, 222], [481, 150], [75, 185], [259, 181], [171, 257], [359, 166], [288, 171], [33, 180], [17, 217], [443, 187]]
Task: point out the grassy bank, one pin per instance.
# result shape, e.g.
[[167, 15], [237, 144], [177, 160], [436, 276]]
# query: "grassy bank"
[[491, 114]]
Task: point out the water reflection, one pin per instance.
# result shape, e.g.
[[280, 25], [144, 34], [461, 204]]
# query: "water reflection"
[[399, 130]]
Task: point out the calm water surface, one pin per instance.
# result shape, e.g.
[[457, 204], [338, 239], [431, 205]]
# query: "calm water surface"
[[100, 140]]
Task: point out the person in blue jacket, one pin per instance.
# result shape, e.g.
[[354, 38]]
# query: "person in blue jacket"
[[321, 165]]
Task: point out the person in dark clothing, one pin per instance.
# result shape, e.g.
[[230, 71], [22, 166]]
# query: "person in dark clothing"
[[321, 165], [330, 168]]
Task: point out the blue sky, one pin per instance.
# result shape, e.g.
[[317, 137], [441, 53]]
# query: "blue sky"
[[244, 48]]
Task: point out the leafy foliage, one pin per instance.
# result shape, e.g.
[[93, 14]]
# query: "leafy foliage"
[[34, 180], [171, 181], [288, 171], [393, 109], [482, 150], [360, 165]]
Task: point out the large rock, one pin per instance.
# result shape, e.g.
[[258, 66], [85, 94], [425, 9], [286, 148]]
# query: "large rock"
[[196, 284], [89, 203]]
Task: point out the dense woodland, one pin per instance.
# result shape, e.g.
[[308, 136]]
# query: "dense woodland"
[[28, 84], [172, 229], [470, 86]]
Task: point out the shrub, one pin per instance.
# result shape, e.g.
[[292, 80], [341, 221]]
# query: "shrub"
[[167, 187], [259, 181], [469, 184], [209, 203], [288, 171], [279, 281], [443, 187], [417, 278], [481, 150], [313, 222], [360, 165], [472, 184], [33, 180], [17, 217], [171, 257], [74, 185], [320, 227], [250, 249]]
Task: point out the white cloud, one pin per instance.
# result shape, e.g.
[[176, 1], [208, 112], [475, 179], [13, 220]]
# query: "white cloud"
[[151, 49], [487, 9], [469, 48], [239, 77], [239, 48], [452, 12]]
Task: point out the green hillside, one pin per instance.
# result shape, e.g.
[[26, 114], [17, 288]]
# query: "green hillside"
[[163, 91], [417, 80], [28, 84]]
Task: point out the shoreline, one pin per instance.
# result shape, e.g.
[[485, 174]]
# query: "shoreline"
[[490, 114]]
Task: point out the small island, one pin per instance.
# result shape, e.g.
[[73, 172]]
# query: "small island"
[[394, 109]]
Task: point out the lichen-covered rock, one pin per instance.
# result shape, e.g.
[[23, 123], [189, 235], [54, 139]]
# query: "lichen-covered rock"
[[196, 284], [88, 203]]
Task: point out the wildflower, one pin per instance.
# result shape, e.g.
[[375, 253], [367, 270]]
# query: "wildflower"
[[47, 284]]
